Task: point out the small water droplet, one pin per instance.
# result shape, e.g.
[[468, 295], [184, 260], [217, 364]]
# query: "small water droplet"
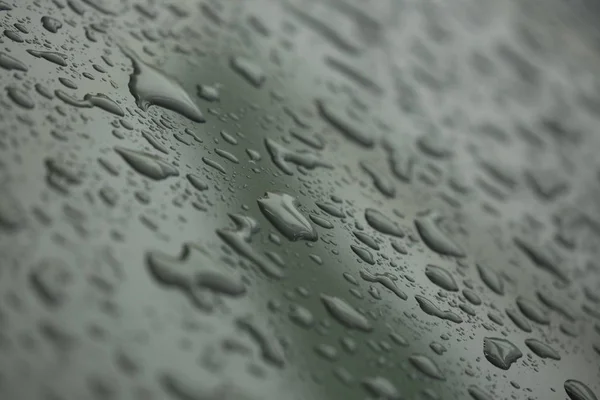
[[147, 164], [441, 277]]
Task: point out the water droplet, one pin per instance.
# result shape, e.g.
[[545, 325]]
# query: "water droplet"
[[147, 164], [151, 87], [301, 316], [366, 239], [429, 308], [10, 63], [322, 222], [435, 238], [471, 297], [282, 157], [339, 119], [280, 209], [491, 279], [426, 366], [345, 314], [542, 259], [195, 273], [53, 57], [385, 281], [557, 304], [532, 311], [441, 277], [500, 352], [208, 93], [51, 280], [239, 239], [542, 349], [518, 320], [382, 223], [20, 97], [331, 209], [270, 347], [51, 24], [438, 348], [197, 182], [384, 185], [363, 254], [382, 388], [578, 391], [479, 394], [248, 70]]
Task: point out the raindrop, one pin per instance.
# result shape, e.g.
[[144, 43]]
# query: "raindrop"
[[151, 87], [363, 254], [441, 277], [435, 238], [532, 311], [491, 279], [239, 239], [429, 308], [282, 157], [385, 281], [345, 314], [578, 391], [500, 352], [280, 209], [147, 164], [248, 70], [542, 349], [427, 366], [337, 117], [382, 223]]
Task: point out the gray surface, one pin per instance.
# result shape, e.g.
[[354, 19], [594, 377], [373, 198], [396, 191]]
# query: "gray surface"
[[121, 278]]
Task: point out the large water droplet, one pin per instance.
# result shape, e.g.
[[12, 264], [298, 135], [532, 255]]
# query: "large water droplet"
[[339, 119], [280, 209], [578, 391], [427, 366], [382, 388], [147, 164], [248, 70], [532, 311], [195, 273], [382, 223], [435, 238], [239, 239], [491, 279], [385, 281], [345, 314], [542, 259], [428, 307], [363, 254], [542, 349], [151, 87], [441, 277], [519, 320], [282, 157], [500, 352]]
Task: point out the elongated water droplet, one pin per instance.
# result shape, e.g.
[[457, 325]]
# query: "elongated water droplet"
[[382, 388], [248, 70], [491, 279], [339, 119], [532, 311], [147, 164], [435, 238], [345, 314], [542, 349], [429, 308], [151, 87], [280, 209], [441, 277], [382, 223], [282, 158], [363, 254], [542, 259], [239, 239], [578, 391], [427, 366], [385, 281]]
